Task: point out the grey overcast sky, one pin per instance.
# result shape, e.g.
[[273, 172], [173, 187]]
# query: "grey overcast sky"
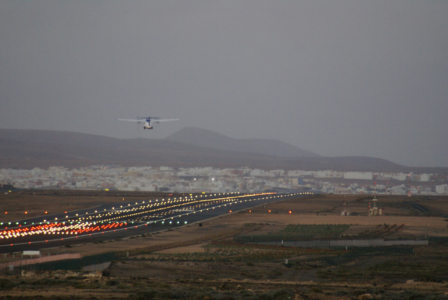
[[365, 78]]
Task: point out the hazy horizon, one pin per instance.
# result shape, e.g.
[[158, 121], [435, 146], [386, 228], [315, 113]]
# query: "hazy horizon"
[[344, 78]]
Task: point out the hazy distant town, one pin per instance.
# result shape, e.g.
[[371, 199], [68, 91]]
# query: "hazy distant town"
[[167, 179]]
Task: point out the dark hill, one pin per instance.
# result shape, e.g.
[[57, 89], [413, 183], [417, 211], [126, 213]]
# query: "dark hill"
[[38, 148]]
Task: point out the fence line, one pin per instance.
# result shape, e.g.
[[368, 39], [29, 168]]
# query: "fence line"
[[45, 259], [344, 243]]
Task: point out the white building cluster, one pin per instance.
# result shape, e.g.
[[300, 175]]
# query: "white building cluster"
[[210, 179]]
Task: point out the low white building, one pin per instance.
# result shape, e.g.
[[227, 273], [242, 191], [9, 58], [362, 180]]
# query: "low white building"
[[398, 190], [442, 189], [425, 177], [164, 168], [358, 175], [258, 173], [400, 176]]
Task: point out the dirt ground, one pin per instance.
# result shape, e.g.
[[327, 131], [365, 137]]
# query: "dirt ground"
[[194, 262]]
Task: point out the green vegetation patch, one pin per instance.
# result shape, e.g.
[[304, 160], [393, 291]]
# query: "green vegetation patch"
[[297, 232], [235, 252], [209, 294], [316, 229]]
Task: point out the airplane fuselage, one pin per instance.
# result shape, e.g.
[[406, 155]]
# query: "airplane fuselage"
[[147, 121], [147, 124]]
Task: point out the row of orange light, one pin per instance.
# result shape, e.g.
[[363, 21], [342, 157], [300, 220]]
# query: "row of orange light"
[[269, 211], [57, 228], [27, 212]]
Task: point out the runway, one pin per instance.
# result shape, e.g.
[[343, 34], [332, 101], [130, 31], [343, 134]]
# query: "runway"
[[116, 221]]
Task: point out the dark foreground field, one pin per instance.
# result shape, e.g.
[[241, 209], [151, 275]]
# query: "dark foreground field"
[[215, 262]]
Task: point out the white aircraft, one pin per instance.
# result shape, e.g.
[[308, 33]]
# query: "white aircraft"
[[147, 121]]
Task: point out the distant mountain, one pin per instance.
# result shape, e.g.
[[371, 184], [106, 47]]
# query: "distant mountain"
[[211, 139], [38, 148]]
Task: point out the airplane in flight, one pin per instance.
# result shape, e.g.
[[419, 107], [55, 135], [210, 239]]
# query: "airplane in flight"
[[147, 121]]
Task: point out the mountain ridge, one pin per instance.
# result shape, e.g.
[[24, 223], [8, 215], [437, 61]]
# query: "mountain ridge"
[[39, 148]]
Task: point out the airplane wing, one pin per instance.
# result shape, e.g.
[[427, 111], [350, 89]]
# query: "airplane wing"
[[133, 120], [163, 120]]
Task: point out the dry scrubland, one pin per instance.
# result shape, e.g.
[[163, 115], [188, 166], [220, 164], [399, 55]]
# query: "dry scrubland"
[[206, 263]]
